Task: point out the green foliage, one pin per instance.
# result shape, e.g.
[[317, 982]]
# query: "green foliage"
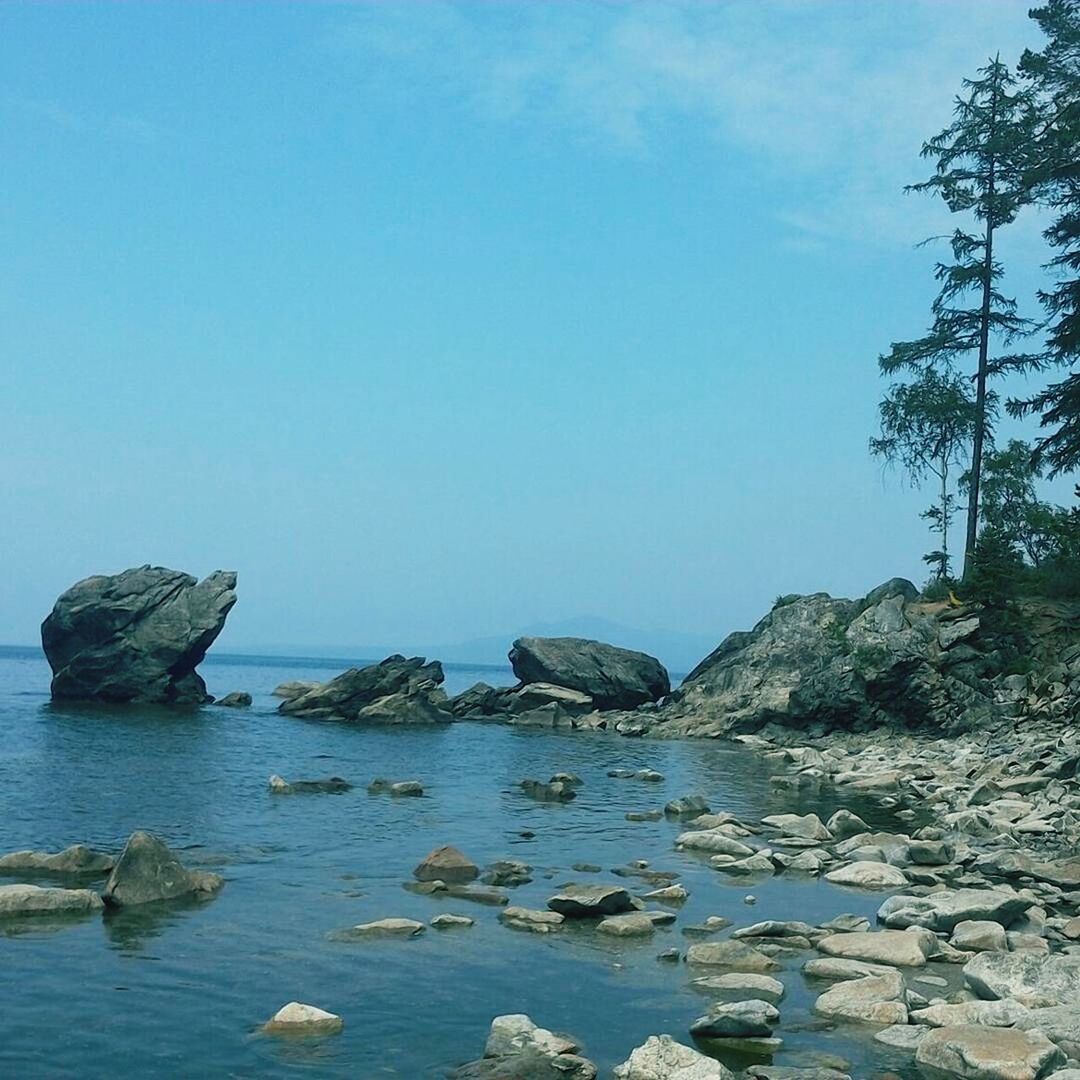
[[996, 569], [938, 588]]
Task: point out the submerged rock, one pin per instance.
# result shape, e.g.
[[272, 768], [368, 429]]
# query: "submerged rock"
[[556, 791], [18, 901], [379, 786], [392, 927], [76, 860], [614, 678], [331, 786], [148, 871], [299, 1019], [752, 1019], [540, 922], [136, 636], [238, 699]]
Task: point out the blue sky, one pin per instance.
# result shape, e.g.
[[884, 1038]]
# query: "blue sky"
[[436, 320]]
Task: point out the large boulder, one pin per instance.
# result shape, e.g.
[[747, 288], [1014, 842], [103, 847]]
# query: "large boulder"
[[394, 691], [136, 636], [660, 1057], [614, 678], [971, 1052], [517, 1049], [1036, 979], [147, 871]]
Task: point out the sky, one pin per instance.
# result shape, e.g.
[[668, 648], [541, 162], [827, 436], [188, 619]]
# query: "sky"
[[436, 320]]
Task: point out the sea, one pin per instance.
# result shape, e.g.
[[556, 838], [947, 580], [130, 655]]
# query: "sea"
[[181, 990]]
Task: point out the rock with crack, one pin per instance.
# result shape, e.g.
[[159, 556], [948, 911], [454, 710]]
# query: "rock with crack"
[[517, 1049], [147, 871], [614, 678], [660, 1057], [970, 1052], [137, 636]]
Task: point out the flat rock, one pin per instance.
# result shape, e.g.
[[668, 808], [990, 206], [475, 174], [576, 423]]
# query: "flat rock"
[[591, 901], [332, 785], [660, 1057], [876, 999], [1035, 979], [387, 928], [1059, 1023], [807, 826], [297, 1018], [635, 923], [984, 1013], [868, 875], [713, 841], [740, 986], [832, 967], [978, 1053], [730, 954], [77, 860], [899, 948], [943, 910], [540, 922], [447, 921], [147, 871], [446, 864], [18, 901]]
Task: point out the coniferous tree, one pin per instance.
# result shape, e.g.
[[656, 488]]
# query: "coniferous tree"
[[982, 165], [926, 429], [1054, 74]]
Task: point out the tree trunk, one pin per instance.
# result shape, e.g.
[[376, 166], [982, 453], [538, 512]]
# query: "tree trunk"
[[980, 378]]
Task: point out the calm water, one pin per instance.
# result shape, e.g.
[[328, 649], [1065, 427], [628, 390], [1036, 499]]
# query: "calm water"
[[180, 991]]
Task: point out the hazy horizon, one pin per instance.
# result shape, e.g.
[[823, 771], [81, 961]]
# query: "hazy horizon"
[[437, 320]]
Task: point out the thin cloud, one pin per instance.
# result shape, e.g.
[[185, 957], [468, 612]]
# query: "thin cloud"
[[840, 95]]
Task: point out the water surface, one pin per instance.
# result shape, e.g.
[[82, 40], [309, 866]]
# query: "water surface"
[[181, 990]]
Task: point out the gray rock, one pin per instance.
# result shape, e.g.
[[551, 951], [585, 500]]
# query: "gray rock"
[[557, 792], [1059, 1023], [238, 699], [332, 785], [394, 691], [539, 922], [688, 806], [147, 871], [808, 826], [297, 1018], [740, 986], [20, 901], [943, 910], [868, 875], [750, 1019], [517, 1049], [538, 694], [615, 678], [137, 636], [294, 688], [844, 824], [507, 873], [392, 927], [898, 948], [978, 1053], [75, 860], [591, 901], [983, 1013], [979, 935], [715, 841], [1035, 979], [447, 921], [736, 955], [635, 923], [875, 999]]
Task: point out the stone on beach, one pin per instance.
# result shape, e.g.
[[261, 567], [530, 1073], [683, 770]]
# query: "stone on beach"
[[591, 901], [977, 1053], [446, 864], [874, 999], [18, 901], [899, 948], [299, 1019], [147, 871]]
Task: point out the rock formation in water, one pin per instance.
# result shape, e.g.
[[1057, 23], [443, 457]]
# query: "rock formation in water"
[[395, 691], [147, 871], [136, 636], [614, 678]]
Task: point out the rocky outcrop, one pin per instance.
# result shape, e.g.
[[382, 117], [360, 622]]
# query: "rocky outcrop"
[[136, 636], [394, 691], [147, 871], [517, 1049], [890, 660], [614, 678]]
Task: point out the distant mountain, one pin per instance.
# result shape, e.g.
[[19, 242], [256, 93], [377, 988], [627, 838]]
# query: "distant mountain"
[[678, 652]]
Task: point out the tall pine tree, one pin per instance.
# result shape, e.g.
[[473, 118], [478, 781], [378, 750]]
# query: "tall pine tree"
[[981, 169], [1054, 74]]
